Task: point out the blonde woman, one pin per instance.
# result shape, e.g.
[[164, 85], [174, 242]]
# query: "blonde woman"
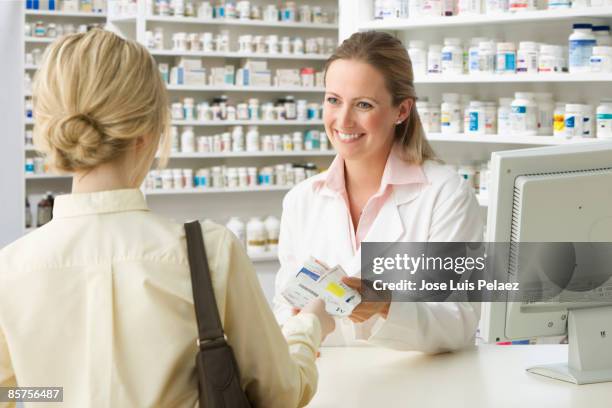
[[99, 300], [384, 185]]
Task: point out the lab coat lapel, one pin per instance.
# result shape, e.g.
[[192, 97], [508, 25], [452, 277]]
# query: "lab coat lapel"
[[389, 225]]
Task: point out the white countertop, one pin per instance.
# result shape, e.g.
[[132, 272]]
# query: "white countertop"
[[488, 376]]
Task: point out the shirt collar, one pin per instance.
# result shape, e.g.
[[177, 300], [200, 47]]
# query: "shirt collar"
[[100, 202], [397, 172]]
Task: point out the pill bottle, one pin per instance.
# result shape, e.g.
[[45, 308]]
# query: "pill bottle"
[[486, 57], [434, 59], [256, 236], [477, 118], [252, 139], [187, 140], [450, 113], [573, 120], [418, 56], [434, 117], [549, 60], [602, 35], [559, 120], [527, 58], [504, 116], [496, 6], [604, 119], [490, 115], [272, 225], [452, 57], [505, 58], [581, 43], [601, 60], [524, 114], [473, 65], [546, 108], [521, 5], [236, 225]]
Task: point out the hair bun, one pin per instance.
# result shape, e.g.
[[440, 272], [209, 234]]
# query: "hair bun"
[[76, 137]]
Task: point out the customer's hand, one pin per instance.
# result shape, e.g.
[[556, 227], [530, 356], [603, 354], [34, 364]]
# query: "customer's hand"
[[317, 307], [365, 310]]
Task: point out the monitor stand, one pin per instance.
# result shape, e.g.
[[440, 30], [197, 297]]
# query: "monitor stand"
[[589, 351]]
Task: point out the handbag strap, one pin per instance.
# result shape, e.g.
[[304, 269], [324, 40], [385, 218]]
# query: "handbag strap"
[[207, 314]]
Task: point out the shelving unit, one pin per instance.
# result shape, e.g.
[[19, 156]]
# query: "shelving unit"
[[536, 16], [242, 23], [238, 55]]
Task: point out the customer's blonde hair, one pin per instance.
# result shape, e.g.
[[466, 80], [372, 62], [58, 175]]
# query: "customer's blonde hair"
[[388, 56], [94, 95]]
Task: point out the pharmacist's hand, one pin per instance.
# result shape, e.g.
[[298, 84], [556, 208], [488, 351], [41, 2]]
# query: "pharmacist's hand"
[[317, 307], [365, 310]]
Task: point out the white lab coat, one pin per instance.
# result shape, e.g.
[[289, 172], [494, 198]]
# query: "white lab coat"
[[315, 222]]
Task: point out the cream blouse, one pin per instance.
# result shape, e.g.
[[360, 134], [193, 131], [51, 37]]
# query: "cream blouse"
[[99, 301]]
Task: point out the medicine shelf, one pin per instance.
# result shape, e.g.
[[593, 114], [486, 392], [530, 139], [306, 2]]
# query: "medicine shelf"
[[215, 190], [236, 54], [301, 153], [59, 13], [514, 78], [47, 176], [487, 19], [239, 22], [30, 67], [39, 40], [248, 122], [508, 139], [234, 88]]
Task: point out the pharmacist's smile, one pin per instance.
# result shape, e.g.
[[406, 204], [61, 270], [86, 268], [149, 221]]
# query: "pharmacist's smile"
[[347, 137]]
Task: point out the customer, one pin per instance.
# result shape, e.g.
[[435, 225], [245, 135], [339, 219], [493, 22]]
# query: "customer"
[[99, 300], [385, 185]]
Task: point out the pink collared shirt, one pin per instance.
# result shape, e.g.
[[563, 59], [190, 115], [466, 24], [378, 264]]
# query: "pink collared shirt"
[[397, 172]]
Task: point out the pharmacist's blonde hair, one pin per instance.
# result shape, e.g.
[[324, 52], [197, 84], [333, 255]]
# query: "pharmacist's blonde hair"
[[94, 95], [388, 56]]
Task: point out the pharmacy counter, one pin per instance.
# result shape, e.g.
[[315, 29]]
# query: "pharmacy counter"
[[488, 376]]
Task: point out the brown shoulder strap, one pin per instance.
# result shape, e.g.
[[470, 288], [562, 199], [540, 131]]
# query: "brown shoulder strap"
[[207, 314]]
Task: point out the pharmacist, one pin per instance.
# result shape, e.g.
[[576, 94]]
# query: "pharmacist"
[[384, 185]]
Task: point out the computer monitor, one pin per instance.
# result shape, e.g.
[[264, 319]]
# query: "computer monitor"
[[555, 194]]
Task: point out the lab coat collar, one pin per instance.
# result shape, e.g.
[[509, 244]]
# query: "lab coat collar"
[[406, 178], [100, 202]]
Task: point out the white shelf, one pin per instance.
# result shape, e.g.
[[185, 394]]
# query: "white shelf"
[[487, 19], [215, 190], [122, 19], [27, 93], [303, 153], [236, 54], [30, 67], [234, 88], [45, 40], [47, 176], [247, 122], [29, 121], [59, 13], [507, 139], [238, 22], [513, 78], [30, 148]]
